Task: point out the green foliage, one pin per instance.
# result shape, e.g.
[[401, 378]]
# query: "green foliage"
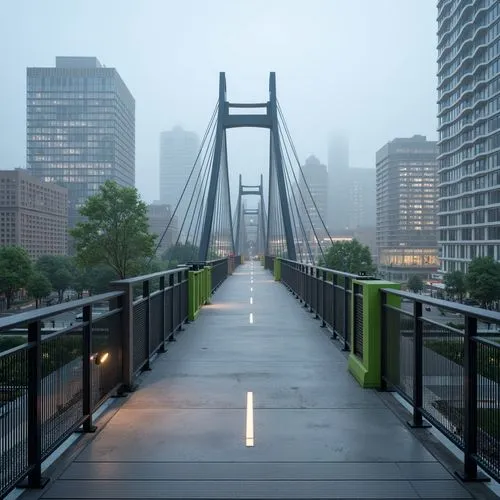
[[116, 232], [59, 270], [415, 283], [180, 254], [350, 257], [483, 280], [15, 270], [455, 284], [95, 279], [10, 341], [38, 286]]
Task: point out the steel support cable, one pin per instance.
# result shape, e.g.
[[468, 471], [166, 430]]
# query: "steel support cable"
[[203, 206], [304, 233], [276, 211], [231, 226], [280, 113], [202, 167], [216, 221], [278, 228], [305, 205], [188, 180], [304, 236], [202, 187]]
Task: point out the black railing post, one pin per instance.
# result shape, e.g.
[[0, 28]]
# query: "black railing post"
[[316, 305], [306, 285], [418, 371], [334, 309], [147, 323], [323, 298], [383, 340], [310, 280], [163, 313], [347, 285], [470, 472], [127, 329], [171, 284], [35, 479], [88, 360]]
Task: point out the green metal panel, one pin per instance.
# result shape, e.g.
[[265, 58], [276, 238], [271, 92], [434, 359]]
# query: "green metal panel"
[[277, 269], [367, 370]]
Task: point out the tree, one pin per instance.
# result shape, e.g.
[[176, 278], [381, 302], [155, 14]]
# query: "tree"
[[350, 257], [181, 253], [15, 271], [455, 284], [59, 270], [483, 280], [415, 283], [38, 286], [95, 279], [116, 231]]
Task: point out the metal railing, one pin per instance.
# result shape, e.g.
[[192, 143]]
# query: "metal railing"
[[269, 263], [327, 293], [71, 357], [448, 370], [52, 382]]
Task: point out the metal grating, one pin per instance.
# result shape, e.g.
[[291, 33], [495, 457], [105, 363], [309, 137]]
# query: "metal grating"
[[140, 343], [358, 321]]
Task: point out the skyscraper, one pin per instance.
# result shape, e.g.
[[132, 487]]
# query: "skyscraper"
[[351, 191], [406, 208], [80, 128], [469, 131], [314, 213], [178, 151]]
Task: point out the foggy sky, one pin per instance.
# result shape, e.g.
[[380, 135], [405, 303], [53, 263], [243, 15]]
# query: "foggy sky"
[[367, 67]]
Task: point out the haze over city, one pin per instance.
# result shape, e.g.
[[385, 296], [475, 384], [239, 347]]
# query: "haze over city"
[[365, 68]]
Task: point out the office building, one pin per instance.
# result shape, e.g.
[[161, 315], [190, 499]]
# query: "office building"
[[159, 217], [315, 196], [178, 152], [351, 192], [33, 214], [469, 131], [80, 128], [407, 208]]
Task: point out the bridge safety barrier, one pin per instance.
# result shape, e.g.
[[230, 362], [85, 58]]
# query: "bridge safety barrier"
[[60, 363], [448, 371]]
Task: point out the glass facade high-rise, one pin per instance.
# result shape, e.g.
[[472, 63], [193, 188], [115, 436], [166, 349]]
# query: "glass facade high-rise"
[[406, 208], [80, 128], [469, 131]]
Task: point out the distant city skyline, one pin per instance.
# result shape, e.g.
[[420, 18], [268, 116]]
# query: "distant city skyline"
[[343, 72]]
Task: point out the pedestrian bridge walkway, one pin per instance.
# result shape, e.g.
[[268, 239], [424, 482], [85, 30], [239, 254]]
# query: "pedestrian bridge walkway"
[[254, 365]]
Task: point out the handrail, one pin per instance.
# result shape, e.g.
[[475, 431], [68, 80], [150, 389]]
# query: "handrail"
[[159, 274], [47, 312], [477, 312]]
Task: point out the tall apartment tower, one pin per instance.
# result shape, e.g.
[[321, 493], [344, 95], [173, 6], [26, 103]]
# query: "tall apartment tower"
[[178, 152], [469, 131], [33, 214], [407, 208], [80, 128]]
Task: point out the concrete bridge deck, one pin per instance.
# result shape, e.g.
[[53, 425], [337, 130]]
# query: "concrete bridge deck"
[[317, 434]]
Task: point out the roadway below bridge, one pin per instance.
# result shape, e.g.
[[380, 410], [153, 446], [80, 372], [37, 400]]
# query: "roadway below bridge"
[[254, 401]]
